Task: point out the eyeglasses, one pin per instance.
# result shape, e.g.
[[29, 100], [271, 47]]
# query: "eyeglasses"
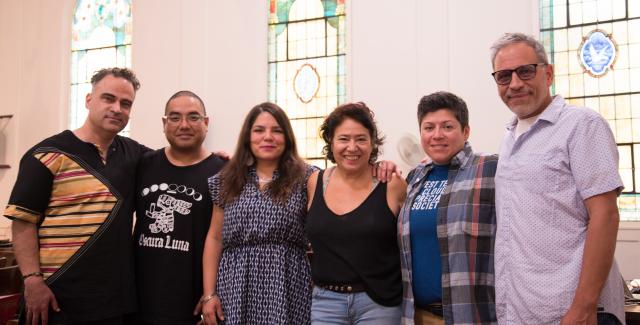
[[177, 118], [524, 72]]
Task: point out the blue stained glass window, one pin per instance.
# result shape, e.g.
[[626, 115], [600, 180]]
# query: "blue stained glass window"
[[307, 66], [101, 38], [565, 27]]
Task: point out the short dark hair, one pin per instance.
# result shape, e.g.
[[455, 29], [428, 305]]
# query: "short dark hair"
[[358, 112], [118, 73], [444, 100], [185, 93]]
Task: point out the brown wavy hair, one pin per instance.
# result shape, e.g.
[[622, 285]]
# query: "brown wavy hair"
[[291, 168]]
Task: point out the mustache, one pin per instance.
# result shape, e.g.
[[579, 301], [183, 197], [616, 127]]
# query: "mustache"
[[511, 94]]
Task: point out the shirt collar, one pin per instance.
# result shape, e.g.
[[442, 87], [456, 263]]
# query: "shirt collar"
[[550, 114]]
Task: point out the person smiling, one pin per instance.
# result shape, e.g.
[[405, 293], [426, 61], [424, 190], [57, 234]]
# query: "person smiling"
[[351, 226], [255, 266], [446, 227]]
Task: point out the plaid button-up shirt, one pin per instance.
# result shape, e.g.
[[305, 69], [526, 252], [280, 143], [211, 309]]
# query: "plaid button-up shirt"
[[466, 234]]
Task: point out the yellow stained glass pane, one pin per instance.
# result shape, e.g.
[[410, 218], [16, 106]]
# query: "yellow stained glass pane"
[[589, 12], [634, 79], [574, 38], [619, 8], [593, 103], [576, 85], [623, 131], [634, 55], [634, 9], [574, 63], [634, 30], [560, 40], [621, 80], [627, 178], [635, 126], [561, 84], [606, 83], [623, 106], [559, 16], [604, 10], [608, 108], [624, 152], [561, 63], [635, 106], [576, 101], [591, 86], [575, 13], [619, 32], [622, 58]]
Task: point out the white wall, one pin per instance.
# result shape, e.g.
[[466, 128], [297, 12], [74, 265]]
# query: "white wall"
[[398, 51]]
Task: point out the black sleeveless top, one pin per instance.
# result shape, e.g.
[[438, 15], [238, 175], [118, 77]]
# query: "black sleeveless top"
[[357, 247]]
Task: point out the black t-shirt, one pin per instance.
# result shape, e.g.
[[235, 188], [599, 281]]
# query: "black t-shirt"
[[83, 208], [173, 212]]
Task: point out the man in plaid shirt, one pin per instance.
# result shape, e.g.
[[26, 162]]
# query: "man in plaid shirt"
[[446, 227]]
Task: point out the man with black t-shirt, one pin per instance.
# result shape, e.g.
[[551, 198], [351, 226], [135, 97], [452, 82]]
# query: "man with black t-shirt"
[[172, 216]]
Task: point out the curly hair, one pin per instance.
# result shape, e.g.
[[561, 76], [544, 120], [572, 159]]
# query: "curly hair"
[[358, 112], [124, 73]]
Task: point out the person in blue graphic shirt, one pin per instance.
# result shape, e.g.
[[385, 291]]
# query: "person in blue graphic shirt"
[[447, 224]]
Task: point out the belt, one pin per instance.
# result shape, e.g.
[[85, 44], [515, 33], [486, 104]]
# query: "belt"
[[343, 288], [434, 308]]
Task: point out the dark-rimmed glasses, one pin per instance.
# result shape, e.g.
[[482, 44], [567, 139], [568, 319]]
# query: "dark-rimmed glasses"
[[177, 118], [524, 72]]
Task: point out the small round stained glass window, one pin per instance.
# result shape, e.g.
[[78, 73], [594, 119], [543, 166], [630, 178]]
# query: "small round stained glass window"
[[597, 53], [306, 83]]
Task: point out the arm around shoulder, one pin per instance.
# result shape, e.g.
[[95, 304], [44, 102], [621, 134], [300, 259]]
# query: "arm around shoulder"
[[396, 193]]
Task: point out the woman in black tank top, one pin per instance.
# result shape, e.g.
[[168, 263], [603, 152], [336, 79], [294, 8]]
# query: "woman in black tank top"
[[351, 225]]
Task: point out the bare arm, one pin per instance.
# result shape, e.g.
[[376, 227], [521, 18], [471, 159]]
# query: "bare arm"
[[211, 306], [311, 188], [597, 258], [396, 193], [37, 294]]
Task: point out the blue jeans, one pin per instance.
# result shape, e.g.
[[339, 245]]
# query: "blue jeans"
[[328, 307]]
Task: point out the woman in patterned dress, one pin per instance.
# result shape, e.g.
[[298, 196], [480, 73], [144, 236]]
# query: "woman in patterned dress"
[[255, 266]]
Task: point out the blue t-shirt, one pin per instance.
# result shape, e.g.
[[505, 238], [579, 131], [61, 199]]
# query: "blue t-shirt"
[[425, 252]]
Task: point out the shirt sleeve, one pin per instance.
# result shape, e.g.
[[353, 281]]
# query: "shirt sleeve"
[[32, 190], [593, 156]]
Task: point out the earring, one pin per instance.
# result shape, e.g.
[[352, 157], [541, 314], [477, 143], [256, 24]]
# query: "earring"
[[250, 161]]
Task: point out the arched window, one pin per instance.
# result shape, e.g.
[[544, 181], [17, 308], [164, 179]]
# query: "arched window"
[[101, 38], [595, 48], [307, 66]]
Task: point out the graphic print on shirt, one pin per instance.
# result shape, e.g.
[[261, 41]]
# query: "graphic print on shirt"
[[164, 211], [429, 198]]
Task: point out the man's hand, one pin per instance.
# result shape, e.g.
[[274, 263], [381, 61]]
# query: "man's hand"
[[222, 154], [212, 311], [38, 297], [579, 316], [384, 170]]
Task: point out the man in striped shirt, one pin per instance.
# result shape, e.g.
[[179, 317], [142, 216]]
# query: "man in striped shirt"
[[71, 208]]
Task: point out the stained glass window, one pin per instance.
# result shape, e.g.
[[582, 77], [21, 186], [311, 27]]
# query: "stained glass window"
[[101, 38], [307, 66], [566, 30]]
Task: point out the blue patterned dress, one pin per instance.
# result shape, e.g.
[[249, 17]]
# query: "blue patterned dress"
[[264, 276]]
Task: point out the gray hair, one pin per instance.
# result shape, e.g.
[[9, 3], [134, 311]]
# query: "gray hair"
[[513, 38]]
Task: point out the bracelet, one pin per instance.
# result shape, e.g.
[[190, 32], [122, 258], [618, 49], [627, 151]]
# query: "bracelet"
[[207, 298], [24, 277]]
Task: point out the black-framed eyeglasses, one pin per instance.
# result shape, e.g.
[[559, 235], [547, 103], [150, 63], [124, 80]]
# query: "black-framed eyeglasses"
[[191, 118], [524, 72]]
